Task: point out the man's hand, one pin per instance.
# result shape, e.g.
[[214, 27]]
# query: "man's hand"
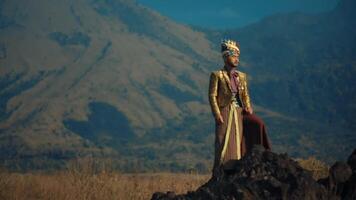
[[219, 119], [249, 110]]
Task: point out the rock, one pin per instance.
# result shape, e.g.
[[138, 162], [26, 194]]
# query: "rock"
[[352, 161], [340, 172], [349, 187], [161, 195], [261, 174], [341, 181]]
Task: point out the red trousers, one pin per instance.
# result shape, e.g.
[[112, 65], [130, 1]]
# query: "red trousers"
[[254, 132]]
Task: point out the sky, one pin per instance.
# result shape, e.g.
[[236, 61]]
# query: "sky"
[[224, 14]]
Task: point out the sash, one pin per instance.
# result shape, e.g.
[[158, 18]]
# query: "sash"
[[232, 114]]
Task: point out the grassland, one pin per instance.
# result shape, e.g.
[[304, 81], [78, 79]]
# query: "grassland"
[[103, 186], [82, 180]]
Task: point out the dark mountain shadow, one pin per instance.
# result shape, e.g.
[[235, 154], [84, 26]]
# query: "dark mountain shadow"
[[106, 126]]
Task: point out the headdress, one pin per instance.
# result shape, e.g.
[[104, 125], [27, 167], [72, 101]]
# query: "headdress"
[[229, 47]]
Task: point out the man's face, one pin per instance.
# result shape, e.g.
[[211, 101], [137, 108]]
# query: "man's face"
[[233, 60]]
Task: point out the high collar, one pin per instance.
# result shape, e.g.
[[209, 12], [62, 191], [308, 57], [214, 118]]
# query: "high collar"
[[230, 70]]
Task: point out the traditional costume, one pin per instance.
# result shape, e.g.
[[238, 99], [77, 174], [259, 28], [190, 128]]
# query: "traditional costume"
[[229, 98]]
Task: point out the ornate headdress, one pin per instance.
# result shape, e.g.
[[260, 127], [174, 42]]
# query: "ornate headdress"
[[229, 47]]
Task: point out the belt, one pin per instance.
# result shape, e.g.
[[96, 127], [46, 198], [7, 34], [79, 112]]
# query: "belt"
[[234, 101]]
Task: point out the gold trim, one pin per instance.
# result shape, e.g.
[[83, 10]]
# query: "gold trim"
[[237, 131], [232, 113]]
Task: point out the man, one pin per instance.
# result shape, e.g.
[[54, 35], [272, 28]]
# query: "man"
[[237, 129]]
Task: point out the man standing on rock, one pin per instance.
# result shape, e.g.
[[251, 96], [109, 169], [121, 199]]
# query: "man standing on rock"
[[237, 129]]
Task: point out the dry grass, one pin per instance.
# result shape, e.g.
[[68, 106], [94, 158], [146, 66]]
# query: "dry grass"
[[88, 179], [85, 179], [317, 167], [76, 186]]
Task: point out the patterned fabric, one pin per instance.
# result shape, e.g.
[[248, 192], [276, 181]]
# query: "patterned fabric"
[[234, 79], [231, 130], [228, 137], [234, 82], [240, 130], [253, 131], [229, 47], [227, 53], [220, 91]]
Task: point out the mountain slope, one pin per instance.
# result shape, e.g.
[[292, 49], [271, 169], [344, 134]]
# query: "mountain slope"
[[86, 76], [115, 80], [303, 66]]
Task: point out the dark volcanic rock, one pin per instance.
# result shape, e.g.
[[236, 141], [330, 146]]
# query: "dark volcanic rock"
[[342, 179], [262, 174], [339, 173], [348, 190], [352, 161]]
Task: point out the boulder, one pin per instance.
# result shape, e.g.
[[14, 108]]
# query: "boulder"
[[261, 174]]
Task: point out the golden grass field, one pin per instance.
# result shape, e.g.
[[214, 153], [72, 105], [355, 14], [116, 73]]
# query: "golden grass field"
[[103, 186], [79, 183]]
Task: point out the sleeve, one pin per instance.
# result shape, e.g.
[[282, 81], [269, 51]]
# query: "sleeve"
[[213, 93], [245, 94]]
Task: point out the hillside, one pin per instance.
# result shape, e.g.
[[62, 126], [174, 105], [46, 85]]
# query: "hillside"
[[86, 77], [304, 67], [115, 80]]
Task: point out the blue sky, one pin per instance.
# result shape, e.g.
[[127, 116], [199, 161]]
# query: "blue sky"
[[232, 13]]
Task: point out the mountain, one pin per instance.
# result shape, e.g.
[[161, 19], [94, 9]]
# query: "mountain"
[[87, 77], [310, 54], [117, 81], [303, 66]]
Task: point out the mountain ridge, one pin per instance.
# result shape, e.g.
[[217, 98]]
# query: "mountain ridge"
[[70, 70]]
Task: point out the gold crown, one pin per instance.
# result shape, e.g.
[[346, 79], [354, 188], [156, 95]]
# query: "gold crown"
[[229, 45]]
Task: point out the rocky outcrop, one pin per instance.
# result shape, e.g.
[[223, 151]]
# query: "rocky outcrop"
[[342, 179], [262, 174]]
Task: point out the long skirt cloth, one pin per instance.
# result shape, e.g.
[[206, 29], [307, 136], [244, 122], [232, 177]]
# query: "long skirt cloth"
[[237, 135]]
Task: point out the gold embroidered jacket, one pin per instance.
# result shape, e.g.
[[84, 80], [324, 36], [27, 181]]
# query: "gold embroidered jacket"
[[220, 92]]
